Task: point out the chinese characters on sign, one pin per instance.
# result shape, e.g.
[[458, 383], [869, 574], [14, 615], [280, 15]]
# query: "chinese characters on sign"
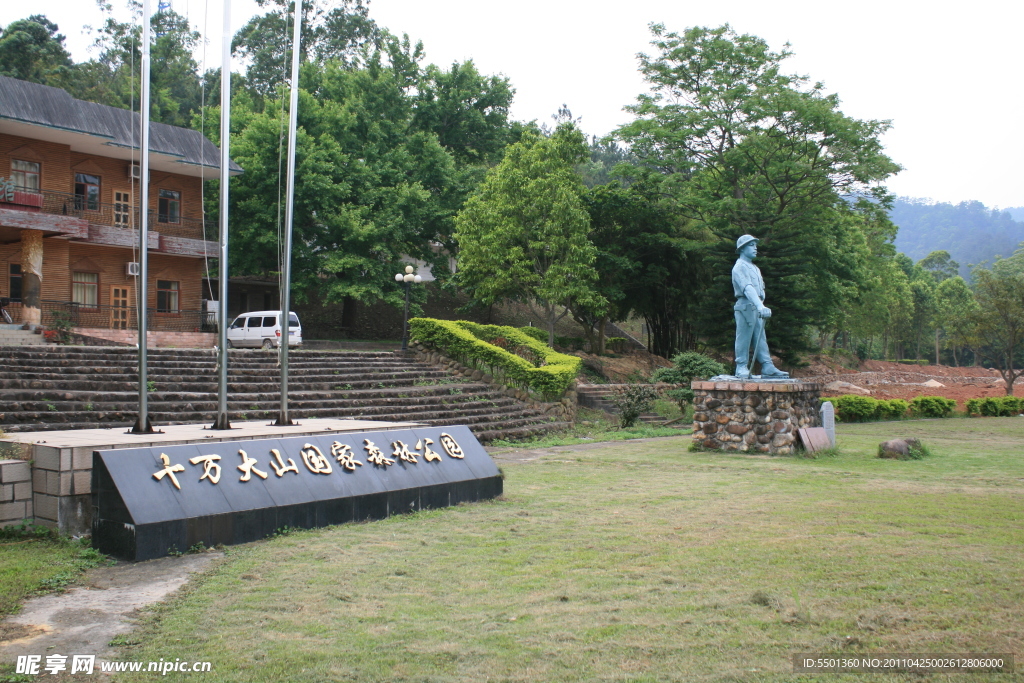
[[314, 459]]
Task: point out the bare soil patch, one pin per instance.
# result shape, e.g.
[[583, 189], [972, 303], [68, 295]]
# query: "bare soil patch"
[[885, 380], [84, 620]]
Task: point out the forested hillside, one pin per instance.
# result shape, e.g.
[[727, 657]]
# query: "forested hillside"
[[971, 232]]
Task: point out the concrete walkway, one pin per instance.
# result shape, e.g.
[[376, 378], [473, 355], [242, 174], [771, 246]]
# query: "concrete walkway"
[[118, 437]]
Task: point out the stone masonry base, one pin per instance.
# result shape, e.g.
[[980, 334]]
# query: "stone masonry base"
[[753, 417]]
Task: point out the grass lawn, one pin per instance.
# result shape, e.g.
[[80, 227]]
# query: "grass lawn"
[[639, 561], [31, 565]]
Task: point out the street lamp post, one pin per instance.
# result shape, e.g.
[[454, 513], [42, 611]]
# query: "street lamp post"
[[408, 278]]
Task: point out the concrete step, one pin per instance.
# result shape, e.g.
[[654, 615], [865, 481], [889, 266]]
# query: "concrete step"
[[77, 387], [18, 337]]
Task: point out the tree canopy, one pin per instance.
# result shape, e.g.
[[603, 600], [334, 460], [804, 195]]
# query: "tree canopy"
[[524, 233], [743, 148]]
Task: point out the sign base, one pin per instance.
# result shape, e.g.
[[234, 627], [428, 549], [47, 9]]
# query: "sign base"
[[150, 502]]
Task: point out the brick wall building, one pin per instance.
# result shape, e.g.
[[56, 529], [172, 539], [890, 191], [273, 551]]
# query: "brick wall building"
[[69, 215]]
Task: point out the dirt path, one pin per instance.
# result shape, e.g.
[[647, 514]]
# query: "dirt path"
[[85, 619]]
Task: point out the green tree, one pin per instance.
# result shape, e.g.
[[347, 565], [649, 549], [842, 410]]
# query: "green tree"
[[997, 323], [955, 307], [745, 148], [649, 262], [114, 78], [331, 32], [467, 110], [370, 186], [32, 50], [940, 265], [523, 234]]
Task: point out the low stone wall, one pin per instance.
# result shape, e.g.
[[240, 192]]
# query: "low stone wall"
[[15, 491], [154, 338], [757, 417], [562, 410], [60, 485]]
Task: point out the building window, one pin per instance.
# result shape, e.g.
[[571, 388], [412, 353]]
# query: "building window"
[[122, 209], [169, 209], [166, 296], [87, 192], [85, 289], [25, 175], [15, 282]]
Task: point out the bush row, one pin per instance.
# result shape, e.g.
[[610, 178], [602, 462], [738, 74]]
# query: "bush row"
[[852, 408], [516, 357], [997, 406]]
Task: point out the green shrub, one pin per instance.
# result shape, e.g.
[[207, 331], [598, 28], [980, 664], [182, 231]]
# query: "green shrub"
[[892, 409], [853, 408], [571, 343], [998, 406], [932, 406], [616, 344], [632, 400], [682, 396], [530, 364], [535, 332], [60, 326], [688, 366]]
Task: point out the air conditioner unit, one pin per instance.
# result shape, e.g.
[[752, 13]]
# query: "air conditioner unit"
[[132, 268], [135, 172]]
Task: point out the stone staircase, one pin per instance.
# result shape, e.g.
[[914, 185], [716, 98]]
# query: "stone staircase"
[[15, 335], [598, 397], [60, 387]]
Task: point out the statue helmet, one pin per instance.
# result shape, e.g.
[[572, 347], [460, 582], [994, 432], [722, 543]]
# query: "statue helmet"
[[744, 241]]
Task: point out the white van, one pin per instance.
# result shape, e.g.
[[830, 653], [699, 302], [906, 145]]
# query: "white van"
[[263, 328]]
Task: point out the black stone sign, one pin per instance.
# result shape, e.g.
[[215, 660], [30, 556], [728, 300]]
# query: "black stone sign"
[[150, 501]]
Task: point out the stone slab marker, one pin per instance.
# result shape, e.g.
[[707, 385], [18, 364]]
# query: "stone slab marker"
[[828, 421]]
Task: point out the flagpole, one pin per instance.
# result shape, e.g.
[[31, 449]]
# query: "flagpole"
[[222, 266], [293, 115], [143, 425]]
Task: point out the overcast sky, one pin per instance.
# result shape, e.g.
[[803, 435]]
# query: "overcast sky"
[[947, 75]]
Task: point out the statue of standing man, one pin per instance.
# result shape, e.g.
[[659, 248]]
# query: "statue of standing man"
[[751, 313]]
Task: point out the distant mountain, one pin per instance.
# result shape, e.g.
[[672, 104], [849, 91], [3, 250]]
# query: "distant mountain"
[[1017, 212], [971, 232]]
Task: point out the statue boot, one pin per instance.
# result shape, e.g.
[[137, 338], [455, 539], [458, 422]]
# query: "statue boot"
[[743, 372], [769, 370]]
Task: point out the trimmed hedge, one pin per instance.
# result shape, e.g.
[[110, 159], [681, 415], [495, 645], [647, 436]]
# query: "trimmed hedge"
[[932, 406], [996, 406], [535, 332], [545, 370], [854, 408]]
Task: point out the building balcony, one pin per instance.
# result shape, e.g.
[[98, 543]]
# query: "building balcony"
[[75, 217]]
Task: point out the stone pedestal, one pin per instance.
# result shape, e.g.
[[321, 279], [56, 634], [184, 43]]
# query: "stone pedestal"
[[753, 417]]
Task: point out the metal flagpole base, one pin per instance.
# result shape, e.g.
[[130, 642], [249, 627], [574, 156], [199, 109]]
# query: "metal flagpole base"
[[283, 421], [222, 422], [139, 429]]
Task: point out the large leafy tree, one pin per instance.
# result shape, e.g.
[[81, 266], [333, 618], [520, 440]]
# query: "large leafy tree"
[[649, 262], [331, 32], [114, 77], [370, 186], [955, 307], [467, 110], [746, 148], [33, 50], [997, 322], [524, 233]]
